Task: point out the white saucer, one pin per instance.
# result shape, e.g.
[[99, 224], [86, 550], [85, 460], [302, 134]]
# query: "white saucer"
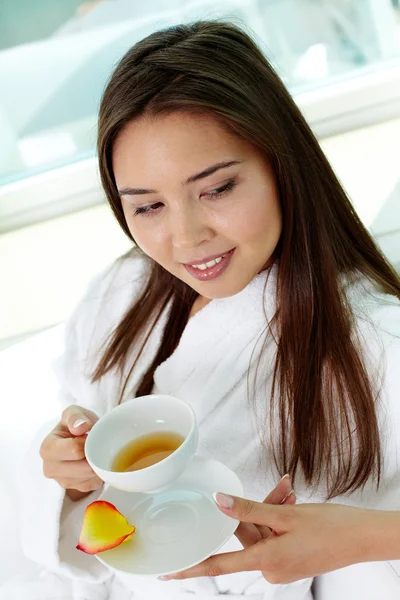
[[176, 528]]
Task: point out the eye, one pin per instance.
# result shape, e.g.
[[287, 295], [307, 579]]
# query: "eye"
[[147, 210], [227, 187]]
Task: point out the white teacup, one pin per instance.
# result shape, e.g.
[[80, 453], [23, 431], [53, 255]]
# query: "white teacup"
[[133, 419]]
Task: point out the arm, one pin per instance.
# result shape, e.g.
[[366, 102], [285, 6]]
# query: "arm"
[[49, 521], [384, 531]]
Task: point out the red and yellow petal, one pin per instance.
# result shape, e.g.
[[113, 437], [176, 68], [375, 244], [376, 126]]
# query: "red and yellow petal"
[[103, 528]]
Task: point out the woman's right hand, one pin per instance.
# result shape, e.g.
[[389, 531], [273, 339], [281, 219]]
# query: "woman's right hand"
[[63, 453]]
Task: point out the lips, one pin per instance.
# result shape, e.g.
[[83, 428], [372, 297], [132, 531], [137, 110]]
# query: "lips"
[[206, 272]]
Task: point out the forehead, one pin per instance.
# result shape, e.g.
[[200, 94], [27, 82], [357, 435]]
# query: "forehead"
[[180, 143]]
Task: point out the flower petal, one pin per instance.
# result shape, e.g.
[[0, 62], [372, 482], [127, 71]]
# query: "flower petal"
[[104, 527]]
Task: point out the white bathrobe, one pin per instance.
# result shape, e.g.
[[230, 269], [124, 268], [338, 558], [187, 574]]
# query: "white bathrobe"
[[208, 369]]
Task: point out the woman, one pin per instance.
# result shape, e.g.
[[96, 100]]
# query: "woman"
[[254, 292]]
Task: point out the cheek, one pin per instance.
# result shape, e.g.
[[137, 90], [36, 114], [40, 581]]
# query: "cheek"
[[149, 236], [254, 220]]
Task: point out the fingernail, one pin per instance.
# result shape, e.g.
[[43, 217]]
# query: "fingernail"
[[285, 476], [223, 500], [287, 496], [164, 577], [79, 422]]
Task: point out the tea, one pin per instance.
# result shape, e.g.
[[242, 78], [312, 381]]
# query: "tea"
[[146, 450]]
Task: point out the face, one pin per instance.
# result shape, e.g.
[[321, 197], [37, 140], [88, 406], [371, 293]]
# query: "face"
[[198, 200]]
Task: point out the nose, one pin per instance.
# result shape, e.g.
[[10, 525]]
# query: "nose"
[[189, 228]]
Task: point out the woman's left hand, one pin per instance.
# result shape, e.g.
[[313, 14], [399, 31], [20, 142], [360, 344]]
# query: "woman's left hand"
[[248, 533], [306, 540]]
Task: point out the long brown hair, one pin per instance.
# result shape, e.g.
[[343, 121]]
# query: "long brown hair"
[[323, 399]]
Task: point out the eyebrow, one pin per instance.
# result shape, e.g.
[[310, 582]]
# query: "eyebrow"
[[205, 173]]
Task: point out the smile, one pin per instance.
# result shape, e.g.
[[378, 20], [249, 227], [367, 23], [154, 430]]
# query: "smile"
[[211, 263], [210, 268]]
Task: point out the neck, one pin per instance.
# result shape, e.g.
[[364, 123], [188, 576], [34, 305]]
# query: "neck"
[[198, 304]]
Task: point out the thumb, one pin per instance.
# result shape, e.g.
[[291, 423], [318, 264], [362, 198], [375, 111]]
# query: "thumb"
[[248, 511], [78, 420]]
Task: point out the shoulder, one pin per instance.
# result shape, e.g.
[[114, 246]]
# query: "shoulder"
[[377, 330], [109, 295], [126, 274], [375, 312]]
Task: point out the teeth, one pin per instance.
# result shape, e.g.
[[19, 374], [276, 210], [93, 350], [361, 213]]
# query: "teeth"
[[209, 264]]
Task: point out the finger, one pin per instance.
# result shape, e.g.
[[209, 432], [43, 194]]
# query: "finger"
[[56, 447], [248, 534], [80, 485], [222, 564], [279, 495], [78, 420], [249, 511], [290, 498], [264, 530], [88, 485], [280, 492], [78, 469]]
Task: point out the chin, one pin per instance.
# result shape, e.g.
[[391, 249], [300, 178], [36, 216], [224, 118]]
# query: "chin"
[[225, 290]]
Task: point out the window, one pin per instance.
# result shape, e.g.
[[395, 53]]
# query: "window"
[[340, 58]]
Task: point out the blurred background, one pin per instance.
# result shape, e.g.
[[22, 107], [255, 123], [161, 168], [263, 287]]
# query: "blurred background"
[[339, 58]]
